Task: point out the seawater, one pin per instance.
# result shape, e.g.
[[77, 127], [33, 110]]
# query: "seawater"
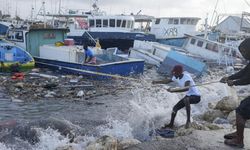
[[131, 113]]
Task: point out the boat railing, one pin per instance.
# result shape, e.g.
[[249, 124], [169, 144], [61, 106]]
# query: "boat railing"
[[227, 55]]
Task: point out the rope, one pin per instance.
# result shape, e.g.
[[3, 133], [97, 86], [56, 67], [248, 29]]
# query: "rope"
[[202, 84]]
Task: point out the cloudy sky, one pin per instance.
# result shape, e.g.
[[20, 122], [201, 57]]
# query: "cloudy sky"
[[157, 8]]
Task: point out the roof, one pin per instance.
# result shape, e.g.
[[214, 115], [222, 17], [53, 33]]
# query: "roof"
[[237, 19]]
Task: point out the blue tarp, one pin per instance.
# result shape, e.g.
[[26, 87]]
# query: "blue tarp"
[[189, 64]]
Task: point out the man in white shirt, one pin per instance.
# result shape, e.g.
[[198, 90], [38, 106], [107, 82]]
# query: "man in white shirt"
[[192, 96]]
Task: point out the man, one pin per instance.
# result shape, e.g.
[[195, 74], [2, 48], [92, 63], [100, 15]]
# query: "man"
[[236, 139], [192, 96], [89, 55]]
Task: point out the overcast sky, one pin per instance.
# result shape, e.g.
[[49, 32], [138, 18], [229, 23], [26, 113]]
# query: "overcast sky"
[[157, 8]]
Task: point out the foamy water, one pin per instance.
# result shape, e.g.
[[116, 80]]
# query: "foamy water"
[[138, 112]]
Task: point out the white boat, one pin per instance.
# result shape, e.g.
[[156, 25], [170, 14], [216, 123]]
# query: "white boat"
[[211, 51], [110, 30], [172, 30], [152, 52]]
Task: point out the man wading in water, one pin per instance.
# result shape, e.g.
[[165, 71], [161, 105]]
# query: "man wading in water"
[[242, 77], [192, 96]]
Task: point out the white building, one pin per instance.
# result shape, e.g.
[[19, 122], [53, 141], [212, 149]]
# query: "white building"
[[234, 25]]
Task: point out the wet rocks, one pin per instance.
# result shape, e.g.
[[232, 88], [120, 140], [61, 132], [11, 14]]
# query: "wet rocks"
[[212, 114], [227, 104], [105, 142], [111, 143]]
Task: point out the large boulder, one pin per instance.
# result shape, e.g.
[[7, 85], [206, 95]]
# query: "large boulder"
[[103, 143], [227, 104], [126, 143], [67, 147], [211, 115]]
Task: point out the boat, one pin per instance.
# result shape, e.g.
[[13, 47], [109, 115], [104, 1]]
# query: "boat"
[[153, 53], [172, 30], [212, 51], [165, 57], [13, 56], [110, 30], [41, 43], [190, 64]]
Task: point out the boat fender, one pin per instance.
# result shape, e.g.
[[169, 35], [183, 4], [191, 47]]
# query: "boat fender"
[[59, 43]]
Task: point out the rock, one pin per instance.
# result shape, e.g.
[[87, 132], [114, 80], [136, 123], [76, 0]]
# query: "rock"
[[227, 104], [103, 143], [183, 132], [198, 140], [221, 121], [211, 105], [212, 114], [213, 127], [126, 143], [67, 147]]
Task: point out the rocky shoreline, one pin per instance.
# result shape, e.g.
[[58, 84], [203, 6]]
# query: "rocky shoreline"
[[206, 131]]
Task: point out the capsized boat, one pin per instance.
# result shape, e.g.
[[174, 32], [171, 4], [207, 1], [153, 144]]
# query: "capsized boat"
[[12, 56]]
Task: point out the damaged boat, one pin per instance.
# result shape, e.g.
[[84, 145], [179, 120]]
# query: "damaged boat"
[[13, 57]]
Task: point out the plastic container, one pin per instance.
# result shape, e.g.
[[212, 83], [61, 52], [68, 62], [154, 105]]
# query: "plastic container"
[[69, 42]]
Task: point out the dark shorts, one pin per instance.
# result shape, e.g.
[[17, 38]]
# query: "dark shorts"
[[193, 99], [244, 108]]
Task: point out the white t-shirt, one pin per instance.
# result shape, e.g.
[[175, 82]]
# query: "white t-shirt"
[[186, 77]]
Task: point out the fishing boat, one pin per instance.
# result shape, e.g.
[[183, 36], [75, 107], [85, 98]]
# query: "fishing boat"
[[172, 30], [42, 44], [166, 57], [110, 30], [12, 56], [211, 51]]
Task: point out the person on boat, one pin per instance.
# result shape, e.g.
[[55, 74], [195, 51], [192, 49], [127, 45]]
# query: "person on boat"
[[192, 96], [236, 139], [89, 55]]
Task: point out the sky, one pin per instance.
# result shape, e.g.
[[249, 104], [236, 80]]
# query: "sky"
[[156, 8]]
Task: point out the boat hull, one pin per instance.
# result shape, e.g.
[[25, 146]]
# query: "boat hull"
[[102, 71], [12, 56], [122, 41]]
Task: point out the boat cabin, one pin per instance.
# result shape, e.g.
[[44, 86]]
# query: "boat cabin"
[[211, 50], [173, 27]]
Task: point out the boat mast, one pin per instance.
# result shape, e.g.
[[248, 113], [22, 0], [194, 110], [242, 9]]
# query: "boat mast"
[[42, 12]]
